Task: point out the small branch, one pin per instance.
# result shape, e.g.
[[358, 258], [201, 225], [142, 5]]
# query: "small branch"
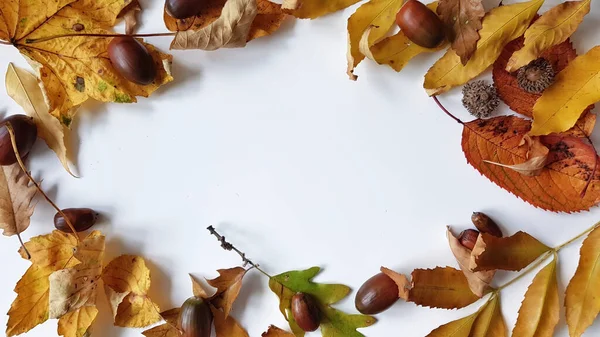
[[228, 246], [48, 38], [559, 247], [446, 110]]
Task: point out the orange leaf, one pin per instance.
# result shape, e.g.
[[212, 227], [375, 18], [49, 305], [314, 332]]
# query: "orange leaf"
[[276, 332], [445, 288], [511, 253], [401, 281], [228, 284]]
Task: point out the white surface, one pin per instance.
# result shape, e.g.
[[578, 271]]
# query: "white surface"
[[294, 164]]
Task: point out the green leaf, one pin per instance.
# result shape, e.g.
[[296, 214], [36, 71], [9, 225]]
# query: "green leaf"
[[335, 323]]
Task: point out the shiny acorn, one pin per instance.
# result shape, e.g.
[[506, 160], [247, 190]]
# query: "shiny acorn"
[[132, 60], [195, 318], [376, 295], [25, 136], [183, 9], [81, 218], [420, 24], [468, 238], [485, 224], [306, 312]]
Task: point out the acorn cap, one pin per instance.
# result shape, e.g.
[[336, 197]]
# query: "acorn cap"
[[480, 98], [536, 76]]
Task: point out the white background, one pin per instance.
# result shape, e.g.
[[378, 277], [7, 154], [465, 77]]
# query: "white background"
[[294, 164]]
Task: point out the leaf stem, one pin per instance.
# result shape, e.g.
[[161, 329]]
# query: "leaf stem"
[[48, 38], [5, 43], [446, 110], [559, 247], [23, 246], [228, 246]]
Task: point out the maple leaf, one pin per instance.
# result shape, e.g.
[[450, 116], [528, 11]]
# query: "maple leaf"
[[228, 284], [226, 326], [335, 322], [479, 282], [311, 9], [445, 288], [23, 87], [126, 283], [168, 329], [509, 253], [16, 196], [539, 312], [376, 15], [582, 298], [276, 332], [74, 68], [464, 18], [502, 25], [558, 188], [552, 28]]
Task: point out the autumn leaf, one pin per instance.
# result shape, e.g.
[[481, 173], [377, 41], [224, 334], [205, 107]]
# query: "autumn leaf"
[[311, 9], [335, 322], [500, 26], [77, 323], [509, 253], [573, 90], [582, 298], [197, 288], [445, 288], [479, 282], [226, 326], [552, 28], [23, 87], [228, 284], [168, 329], [75, 68], [130, 14], [16, 200], [537, 156], [558, 188], [401, 281], [539, 312], [378, 17], [464, 18], [126, 283], [276, 332]]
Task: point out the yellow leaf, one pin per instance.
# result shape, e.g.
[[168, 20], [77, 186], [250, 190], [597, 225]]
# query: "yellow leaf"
[[489, 322], [276, 332], [226, 326], [582, 298], [311, 9], [500, 26], [16, 195], [228, 284], [168, 329], [55, 249], [459, 328], [440, 288], [77, 323], [573, 90], [539, 312], [379, 16], [552, 28], [510, 253]]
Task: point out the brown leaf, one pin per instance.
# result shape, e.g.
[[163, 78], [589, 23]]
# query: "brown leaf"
[[464, 18], [226, 326], [228, 284], [168, 329], [276, 332], [510, 253], [130, 13], [16, 196], [401, 280], [445, 288], [479, 282], [197, 288], [537, 156], [267, 21]]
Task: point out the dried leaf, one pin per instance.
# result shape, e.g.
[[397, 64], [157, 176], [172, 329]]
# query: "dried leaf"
[[167, 329], [582, 298], [210, 12], [23, 87], [574, 89], [539, 312], [228, 284], [226, 326], [230, 30], [377, 16], [552, 28], [464, 16], [401, 280], [130, 14], [126, 283], [311, 9], [276, 332], [445, 288], [537, 156], [509, 253], [502, 25], [77, 323], [197, 288], [16, 196], [479, 282]]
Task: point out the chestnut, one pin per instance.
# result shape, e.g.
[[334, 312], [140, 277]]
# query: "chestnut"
[[25, 136], [131, 59], [468, 238], [420, 24], [306, 312], [81, 219], [485, 224], [195, 318], [183, 9], [376, 295]]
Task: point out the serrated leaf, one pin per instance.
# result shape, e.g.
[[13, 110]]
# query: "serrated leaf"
[[445, 288], [552, 28], [479, 282], [226, 326], [311, 9], [500, 26], [276, 332], [464, 18], [582, 298], [228, 284], [458, 328], [509, 253], [573, 90], [537, 157], [16, 200]]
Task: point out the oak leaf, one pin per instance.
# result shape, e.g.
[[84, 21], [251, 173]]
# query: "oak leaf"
[[168, 329], [228, 284], [126, 283], [16, 200], [539, 312], [464, 18], [276, 332], [401, 281], [500, 26], [445, 288], [558, 188], [226, 326], [74, 68], [479, 282], [23, 87], [552, 28], [336, 322], [582, 298], [508, 253], [311, 9]]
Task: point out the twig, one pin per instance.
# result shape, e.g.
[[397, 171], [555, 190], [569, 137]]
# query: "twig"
[[559, 247], [228, 246], [446, 111], [48, 38]]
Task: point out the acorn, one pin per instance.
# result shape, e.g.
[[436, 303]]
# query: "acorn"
[[25, 136], [537, 76], [132, 60], [81, 218], [306, 312], [485, 224], [195, 318], [183, 9], [420, 24], [468, 238], [376, 295]]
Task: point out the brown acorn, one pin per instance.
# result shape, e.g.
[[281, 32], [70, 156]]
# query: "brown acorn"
[[306, 312], [25, 136], [195, 318], [376, 295], [132, 60], [81, 219], [485, 224], [468, 238], [420, 24]]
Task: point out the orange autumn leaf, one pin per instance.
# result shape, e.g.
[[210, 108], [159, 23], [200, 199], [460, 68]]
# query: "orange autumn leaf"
[[276, 332], [508, 253], [228, 284], [445, 288]]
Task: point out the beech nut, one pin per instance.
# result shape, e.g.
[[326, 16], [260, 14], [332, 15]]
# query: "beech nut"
[[25, 136], [306, 312], [132, 60], [468, 238], [485, 224], [81, 219], [183, 9], [376, 295], [420, 24], [195, 318]]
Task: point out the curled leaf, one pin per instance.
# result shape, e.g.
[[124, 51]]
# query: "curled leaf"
[[479, 282], [537, 156], [130, 14], [197, 288], [464, 18], [510, 253], [228, 284], [445, 288]]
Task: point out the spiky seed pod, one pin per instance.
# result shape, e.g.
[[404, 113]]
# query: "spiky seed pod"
[[536, 76], [480, 98]]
